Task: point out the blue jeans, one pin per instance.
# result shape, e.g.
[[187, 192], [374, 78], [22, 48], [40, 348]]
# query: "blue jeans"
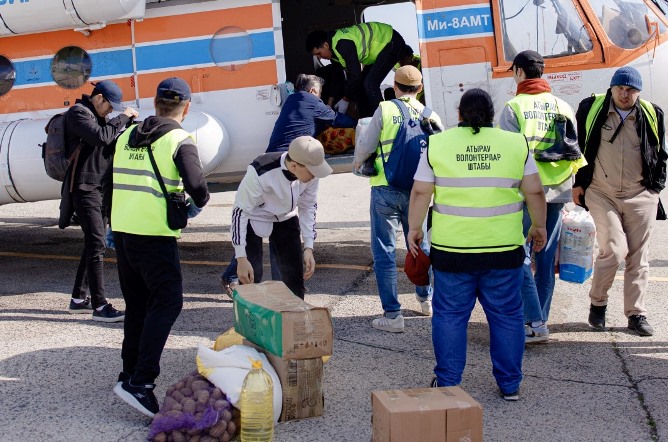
[[537, 289], [389, 208], [455, 295]]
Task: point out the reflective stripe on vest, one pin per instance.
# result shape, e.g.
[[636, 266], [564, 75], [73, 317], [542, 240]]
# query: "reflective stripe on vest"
[[646, 107], [535, 114], [138, 205], [391, 121], [477, 202], [369, 38]]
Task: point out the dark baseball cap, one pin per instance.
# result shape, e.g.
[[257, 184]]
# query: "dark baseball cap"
[[526, 59], [174, 89], [112, 93]]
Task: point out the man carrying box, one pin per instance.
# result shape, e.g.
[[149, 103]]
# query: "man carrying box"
[[277, 187]]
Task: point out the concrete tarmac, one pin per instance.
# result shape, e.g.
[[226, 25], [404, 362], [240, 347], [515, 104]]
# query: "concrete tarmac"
[[57, 370]]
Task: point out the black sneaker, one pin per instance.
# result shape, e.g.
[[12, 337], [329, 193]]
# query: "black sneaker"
[[108, 314], [122, 377], [81, 307], [640, 325], [140, 398], [597, 316]]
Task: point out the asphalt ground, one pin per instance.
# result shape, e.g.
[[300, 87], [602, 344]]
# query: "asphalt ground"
[[57, 370]]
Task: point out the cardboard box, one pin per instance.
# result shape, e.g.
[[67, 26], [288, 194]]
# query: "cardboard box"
[[271, 316], [301, 383], [445, 414]]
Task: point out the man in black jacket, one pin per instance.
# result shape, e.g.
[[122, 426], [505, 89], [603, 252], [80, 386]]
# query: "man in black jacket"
[[622, 137], [87, 125]]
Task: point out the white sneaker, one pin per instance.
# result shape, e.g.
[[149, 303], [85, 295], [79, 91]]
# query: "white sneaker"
[[395, 325], [424, 305], [536, 335]]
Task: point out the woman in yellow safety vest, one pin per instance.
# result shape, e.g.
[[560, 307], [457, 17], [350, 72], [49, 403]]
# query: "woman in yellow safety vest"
[[479, 177]]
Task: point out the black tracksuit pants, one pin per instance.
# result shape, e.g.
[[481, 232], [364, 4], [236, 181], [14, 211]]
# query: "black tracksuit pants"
[[149, 271], [286, 239]]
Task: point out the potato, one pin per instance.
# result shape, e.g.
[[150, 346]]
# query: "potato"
[[218, 429], [199, 385], [170, 390], [178, 407], [225, 437], [203, 396], [178, 436], [187, 392], [169, 403], [195, 438], [231, 428], [207, 438], [227, 415], [179, 385], [217, 393], [160, 437], [221, 405], [188, 405], [178, 396]]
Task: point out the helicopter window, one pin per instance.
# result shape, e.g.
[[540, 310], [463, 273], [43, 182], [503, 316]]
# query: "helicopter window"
[[231, 48], [553, 28], [71, 67], [624, 21], [7, 75]]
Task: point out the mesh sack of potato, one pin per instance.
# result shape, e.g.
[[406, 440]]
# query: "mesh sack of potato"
[[194, 410], [337, 140]]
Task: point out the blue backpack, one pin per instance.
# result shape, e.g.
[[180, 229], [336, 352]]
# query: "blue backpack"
[[411, 140]]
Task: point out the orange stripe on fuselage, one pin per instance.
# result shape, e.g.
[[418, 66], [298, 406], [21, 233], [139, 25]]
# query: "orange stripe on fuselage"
[[52, 97], [46, 44], [205, 79], [431, 50], [214, 78], [203, 23]]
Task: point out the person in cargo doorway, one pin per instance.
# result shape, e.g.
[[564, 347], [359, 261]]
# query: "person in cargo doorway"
[[89, 130], [479, 177], [623, 139], [374, 45], [277, 198], [149, 268]]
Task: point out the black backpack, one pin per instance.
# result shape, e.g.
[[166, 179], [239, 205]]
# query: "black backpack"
[[411, 140], [54, 150]]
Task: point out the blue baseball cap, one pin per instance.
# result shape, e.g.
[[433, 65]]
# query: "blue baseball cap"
[[173, 88], [112, 93]]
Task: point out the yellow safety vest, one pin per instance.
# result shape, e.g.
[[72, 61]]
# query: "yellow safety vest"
[[477, 202], [647, 109], [535, 114], [369, 38], [138, 205], [391, 121]]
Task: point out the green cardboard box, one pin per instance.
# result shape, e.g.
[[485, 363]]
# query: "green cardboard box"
[[271, 316]]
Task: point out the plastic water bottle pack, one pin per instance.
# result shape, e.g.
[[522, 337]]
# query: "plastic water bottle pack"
[[576, 246]]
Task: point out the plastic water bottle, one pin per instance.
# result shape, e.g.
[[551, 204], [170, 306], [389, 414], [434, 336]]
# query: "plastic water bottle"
[[257, 405]]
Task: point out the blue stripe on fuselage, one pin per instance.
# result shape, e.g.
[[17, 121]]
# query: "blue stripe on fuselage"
[[455, 23]]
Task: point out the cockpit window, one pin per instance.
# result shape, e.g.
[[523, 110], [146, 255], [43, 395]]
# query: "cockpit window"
[[71, 67], [625, 22], [553, 28], [7, 75]]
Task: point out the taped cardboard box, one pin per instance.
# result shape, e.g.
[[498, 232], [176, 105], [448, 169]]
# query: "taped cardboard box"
[[301, 383], [445, 414], [271, 316]]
